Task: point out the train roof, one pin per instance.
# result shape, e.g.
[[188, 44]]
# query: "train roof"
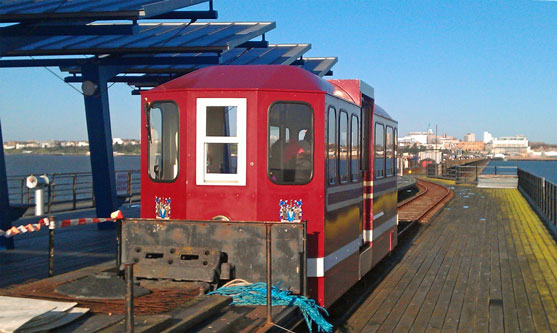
[[264, 77], [382, 113]]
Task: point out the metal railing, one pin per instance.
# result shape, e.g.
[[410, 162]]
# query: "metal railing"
[[73, 189], [542, 194], [468, 173]]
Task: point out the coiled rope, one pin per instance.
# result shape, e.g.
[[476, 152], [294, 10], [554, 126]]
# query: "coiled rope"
[[244, 293]]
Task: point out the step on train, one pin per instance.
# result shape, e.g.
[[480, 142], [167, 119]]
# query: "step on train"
[[229, 152]]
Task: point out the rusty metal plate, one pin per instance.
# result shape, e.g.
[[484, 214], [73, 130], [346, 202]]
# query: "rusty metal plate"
[[160, 247]]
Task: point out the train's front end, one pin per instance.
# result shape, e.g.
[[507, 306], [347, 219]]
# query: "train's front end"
[[228, 155]]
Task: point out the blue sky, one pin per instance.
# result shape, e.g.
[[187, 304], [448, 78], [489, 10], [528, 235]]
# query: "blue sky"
[[466, 66]]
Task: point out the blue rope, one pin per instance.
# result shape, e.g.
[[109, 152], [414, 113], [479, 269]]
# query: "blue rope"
[[256, 294]]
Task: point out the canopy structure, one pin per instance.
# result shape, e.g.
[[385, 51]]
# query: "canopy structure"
[[142, 43]]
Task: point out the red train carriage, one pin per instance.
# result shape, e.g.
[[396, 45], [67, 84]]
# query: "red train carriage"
[[264, 143]]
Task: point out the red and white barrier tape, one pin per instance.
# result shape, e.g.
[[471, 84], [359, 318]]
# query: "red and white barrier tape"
[[32, 227]]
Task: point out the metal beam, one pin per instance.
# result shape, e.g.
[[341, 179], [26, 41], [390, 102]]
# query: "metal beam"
[[255, 44], [188, 15], [5, 219], [42, 62], [100, 139], [92, 12], [151, 80], [114, 61], [24, 30]]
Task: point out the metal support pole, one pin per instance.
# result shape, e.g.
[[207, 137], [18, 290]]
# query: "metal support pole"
[[51, 227], [5, 218], [119, 244], [305, 260], [100, 138], [129, 297], [129, 186], [74, 191], [269, 281]]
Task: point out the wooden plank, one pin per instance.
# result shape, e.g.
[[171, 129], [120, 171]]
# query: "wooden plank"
[[195, 311], [541, 272], [496, 322], [439, 313], [426, 311], [414, 257], [452, 318], [410, 290], [538, 313], [142, 324], [481, 309], [524, 314], [471, 294], [510, 312], [91, 323]]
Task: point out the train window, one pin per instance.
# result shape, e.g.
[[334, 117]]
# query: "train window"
[[379, 162], [221, 141], [332, 145], [290, 158], [221, 121], [390, 139], [355, 149], [343, 147], [162, 120]]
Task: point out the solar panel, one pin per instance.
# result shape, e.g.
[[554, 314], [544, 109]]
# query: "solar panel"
[[278, 54], [319, 66], [25, 10], [150, 38], [160, 51]]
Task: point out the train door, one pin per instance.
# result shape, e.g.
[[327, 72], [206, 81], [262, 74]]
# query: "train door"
[[366, 253], [367, 166]]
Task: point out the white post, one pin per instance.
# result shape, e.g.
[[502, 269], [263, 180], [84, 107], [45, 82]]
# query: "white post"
[[39, 202]]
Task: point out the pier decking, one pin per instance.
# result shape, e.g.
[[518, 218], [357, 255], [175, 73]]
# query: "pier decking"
[[486, 263], [74, 248]]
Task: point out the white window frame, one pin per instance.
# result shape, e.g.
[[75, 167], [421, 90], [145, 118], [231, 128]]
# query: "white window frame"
[[204, 178]]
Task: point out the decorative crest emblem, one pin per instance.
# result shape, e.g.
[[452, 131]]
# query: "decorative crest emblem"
[[162, 208], [290, 210]]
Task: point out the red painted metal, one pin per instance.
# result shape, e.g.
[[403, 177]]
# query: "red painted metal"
[[259, 199]]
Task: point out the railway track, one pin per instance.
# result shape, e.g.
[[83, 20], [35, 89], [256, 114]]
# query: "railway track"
[[424, 205]]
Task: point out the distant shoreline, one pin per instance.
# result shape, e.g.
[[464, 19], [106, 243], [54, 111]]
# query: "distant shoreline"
[[549, 159]]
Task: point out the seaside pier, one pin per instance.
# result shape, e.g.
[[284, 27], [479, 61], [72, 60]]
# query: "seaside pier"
[[486, 262]]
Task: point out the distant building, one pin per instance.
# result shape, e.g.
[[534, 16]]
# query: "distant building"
[[448, 142], [475, 146], [434, 155], [117, 141], [53, 144], [509, 145], [420, 138], [487, 137], [470, 137], [9, 145]]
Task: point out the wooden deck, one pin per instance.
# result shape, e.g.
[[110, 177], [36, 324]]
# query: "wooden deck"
[[74, 248], [486, 263]]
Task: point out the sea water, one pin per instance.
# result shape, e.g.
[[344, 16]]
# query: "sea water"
[[26, 164], [546, 169]]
